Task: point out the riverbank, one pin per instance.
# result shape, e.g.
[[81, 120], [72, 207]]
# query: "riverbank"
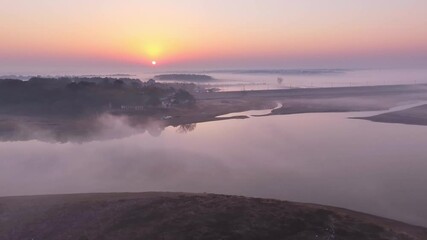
[[412, 116], [297, 101], [216, 107]]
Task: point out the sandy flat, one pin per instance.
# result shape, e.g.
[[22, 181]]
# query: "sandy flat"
[[412, 116]]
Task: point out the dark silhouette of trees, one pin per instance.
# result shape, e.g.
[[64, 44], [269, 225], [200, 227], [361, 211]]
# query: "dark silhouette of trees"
[[183, 97], [66, 96], [118, 83], [185, 77]]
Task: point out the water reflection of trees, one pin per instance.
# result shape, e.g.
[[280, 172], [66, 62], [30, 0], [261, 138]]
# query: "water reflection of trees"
[[82, 129], [79, 129], [186, 128]]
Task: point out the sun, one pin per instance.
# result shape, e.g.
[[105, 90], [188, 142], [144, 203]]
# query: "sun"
[[154, 63]]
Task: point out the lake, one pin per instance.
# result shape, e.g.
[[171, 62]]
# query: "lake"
[[321, 158]]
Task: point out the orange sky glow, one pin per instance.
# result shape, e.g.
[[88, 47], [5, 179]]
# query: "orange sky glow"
[[209, 33]]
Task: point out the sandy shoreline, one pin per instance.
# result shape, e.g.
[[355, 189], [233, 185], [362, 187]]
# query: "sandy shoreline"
[[412, 116], [211, 106], [297, 101]]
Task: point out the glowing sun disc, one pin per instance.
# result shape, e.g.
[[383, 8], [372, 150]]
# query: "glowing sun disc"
[[153, 63]]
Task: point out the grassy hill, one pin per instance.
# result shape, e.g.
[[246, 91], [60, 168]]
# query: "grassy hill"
[[128, 216]]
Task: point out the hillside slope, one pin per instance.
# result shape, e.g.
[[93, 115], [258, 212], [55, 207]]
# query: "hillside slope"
[[129, 216]]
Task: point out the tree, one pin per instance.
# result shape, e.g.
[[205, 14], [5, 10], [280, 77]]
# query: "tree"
[[118, 83], [183, 97], [153, 101]]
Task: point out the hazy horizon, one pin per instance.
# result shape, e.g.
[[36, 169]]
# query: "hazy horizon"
[[90, 36], [213, 119]]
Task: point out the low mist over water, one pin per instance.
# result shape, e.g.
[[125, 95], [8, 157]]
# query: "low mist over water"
[[321, 158], [264, 79], [195, 119]]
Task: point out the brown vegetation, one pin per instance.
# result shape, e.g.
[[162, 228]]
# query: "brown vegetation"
[[187, 216]]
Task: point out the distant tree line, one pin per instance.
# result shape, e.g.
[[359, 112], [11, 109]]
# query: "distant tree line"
[[184, 77], [73, 95]]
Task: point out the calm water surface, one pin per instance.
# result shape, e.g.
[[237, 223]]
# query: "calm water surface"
[[319, 158]]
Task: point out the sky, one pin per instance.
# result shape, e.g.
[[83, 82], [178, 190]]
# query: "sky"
[[47, 36]]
